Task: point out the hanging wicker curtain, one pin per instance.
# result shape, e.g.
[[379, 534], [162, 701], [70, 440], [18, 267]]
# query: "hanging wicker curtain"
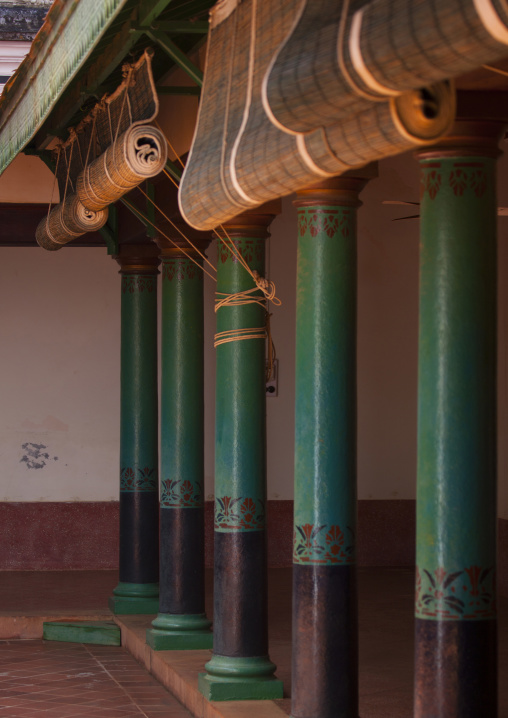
[[66, 221], [207, 189], [339, 57], [249, 160], [138, 154]]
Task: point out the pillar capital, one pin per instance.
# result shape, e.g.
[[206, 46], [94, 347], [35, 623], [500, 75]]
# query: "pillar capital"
[[138, 258], [342, 190], [253, 222], [174, 244], [469, 137]]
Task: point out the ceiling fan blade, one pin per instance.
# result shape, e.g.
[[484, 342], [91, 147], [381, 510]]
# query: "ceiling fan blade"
[[412, 216]]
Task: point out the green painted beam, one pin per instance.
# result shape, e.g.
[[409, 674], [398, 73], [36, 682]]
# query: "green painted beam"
[[174, 170], [177, 55], [150, 10], [175, 27], [109, 232]]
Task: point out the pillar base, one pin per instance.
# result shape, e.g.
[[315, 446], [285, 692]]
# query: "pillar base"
[[240, 679], [134, 598], [180, 633]]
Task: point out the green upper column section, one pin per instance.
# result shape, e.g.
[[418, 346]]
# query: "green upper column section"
[[182, 402], [240, 442], [138, 422], [325, 438], [456, 492]]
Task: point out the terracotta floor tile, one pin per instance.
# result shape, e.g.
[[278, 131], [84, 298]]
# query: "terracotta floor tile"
[[51, 680], [46, 680]]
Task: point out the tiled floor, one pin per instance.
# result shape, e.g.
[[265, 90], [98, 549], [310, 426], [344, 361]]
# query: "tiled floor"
[[65, 680], [386, 644]]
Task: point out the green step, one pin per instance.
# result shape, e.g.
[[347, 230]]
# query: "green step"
[[103, 633]]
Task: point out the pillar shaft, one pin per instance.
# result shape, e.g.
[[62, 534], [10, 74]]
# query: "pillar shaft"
[[181, 623], [240, 667], [325, 624], [456, 669], [137, 591]]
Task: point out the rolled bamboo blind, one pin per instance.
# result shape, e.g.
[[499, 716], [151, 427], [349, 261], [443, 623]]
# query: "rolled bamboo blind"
[[239, 158], [206, 186], [107, 154], [334, 62], [66, 221], [138, 154]]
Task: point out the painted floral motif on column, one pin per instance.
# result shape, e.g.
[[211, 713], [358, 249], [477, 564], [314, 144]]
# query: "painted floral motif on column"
[[455, 595], [179, 493], [323, 544], [250, 250], [431, 179], [239, 514], [463, 177], [180, 269], [137, 283], [324, 221], [135, 479]]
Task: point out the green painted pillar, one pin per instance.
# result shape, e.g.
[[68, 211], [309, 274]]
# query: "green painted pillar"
[[181, 622], [138, 589], [325, 616], [240, 667], [455, 604]]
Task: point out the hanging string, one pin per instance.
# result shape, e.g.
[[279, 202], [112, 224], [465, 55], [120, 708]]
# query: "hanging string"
[[92, 135], [173, 180], [264, 285], [177, 156], [59, 151], [175, 226], [127, 78], [270, 365], [68, 165], [495, 69], [247, 297], [136, 211], [241, 298], [222, 299]]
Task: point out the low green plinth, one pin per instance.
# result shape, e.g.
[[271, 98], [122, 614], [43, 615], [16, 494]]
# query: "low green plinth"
[[134, 598], [102, 633], [173, 632], [240, 679]]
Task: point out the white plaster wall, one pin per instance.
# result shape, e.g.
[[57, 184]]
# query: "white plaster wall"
[[59, 363], [27, 180], [59, 358]]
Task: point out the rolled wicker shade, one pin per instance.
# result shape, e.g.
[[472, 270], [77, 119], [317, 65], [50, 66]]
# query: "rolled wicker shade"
[[66, 221], [323, 72], [206, 189], [228, 172], [138, 154], [413, 119], [230, 110]]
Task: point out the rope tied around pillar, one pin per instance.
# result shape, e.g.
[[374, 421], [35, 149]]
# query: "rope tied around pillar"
[[247, 296]]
